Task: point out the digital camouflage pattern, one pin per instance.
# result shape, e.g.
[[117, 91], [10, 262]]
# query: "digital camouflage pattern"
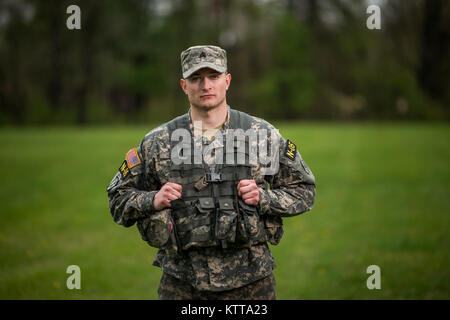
[[171, 288], [198, 57], [291, 192]]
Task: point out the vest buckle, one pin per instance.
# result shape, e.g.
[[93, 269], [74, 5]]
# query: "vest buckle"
[[213, 177]]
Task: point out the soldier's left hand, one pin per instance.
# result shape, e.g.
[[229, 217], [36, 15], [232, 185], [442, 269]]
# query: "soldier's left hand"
[[248, 191]]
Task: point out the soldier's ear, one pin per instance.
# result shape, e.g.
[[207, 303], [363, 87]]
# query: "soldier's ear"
[[228, 80], [183, 85]]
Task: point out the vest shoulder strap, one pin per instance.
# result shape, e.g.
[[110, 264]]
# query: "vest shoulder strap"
[[240, 120], [179, 122]]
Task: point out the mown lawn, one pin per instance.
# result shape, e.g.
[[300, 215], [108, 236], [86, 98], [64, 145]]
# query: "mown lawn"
[[383, 195]]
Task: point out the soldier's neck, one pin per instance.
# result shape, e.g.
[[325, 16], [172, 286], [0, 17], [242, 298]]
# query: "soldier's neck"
[[210, 118]]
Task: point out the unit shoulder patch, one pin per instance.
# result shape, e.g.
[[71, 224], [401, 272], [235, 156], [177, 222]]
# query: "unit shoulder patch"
[[114, 182], [291, 150], [123, 169], [133, 158], [305, 167]]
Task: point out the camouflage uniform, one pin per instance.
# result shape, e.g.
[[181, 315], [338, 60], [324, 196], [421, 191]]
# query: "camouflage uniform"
[[172, 288], [206, 272]]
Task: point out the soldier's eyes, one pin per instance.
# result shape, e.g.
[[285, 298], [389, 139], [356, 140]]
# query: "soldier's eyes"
[[212, 76]]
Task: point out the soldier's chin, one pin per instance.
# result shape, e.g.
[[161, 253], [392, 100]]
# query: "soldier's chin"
[[207, 106]]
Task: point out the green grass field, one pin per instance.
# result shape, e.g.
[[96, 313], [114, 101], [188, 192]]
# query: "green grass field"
[[383, 198]]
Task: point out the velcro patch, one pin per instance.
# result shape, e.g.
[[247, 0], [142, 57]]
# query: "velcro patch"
[[124, 170], [133, 158], [291, 150], [114, 182]]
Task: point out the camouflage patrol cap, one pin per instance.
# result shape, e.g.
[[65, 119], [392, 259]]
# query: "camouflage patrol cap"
[[198, 57]]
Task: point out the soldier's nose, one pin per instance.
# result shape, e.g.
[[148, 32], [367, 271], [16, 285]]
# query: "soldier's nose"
[[206, 83]]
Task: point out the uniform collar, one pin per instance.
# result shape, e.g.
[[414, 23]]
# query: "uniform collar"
[[225, 126]]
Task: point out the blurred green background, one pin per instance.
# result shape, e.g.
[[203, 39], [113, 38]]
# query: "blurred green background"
[[368, 110]]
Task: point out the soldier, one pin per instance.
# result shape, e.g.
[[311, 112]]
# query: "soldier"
[[196, 192]]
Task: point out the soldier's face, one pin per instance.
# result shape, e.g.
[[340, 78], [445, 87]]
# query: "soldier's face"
[[206, 88]]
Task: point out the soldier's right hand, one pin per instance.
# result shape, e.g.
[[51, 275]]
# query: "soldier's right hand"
[[169, 191]]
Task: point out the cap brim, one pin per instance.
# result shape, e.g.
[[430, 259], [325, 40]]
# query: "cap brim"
[[202, 65]]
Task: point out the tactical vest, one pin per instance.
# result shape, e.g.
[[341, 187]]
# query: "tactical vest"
[[210, 212]]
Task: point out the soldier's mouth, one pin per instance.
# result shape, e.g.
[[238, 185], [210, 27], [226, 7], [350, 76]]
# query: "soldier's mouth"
[[206, 96]]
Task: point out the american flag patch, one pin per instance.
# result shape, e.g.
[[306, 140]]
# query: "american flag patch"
[[133, 158]]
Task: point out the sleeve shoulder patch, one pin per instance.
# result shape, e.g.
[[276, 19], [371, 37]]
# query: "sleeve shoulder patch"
[[114, 182], [123, 169], [133, 158], [291, 150]]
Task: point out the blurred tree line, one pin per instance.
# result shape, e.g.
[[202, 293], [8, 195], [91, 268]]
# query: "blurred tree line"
[[291, 59]]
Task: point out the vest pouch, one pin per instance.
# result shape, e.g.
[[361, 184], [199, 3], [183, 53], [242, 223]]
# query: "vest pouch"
[[226, 221], [193, 223], [251, 228], [274, 229], [205, 205]]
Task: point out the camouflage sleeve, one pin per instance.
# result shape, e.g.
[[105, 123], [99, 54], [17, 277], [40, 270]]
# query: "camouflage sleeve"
[[292, 189], [133, 188]]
